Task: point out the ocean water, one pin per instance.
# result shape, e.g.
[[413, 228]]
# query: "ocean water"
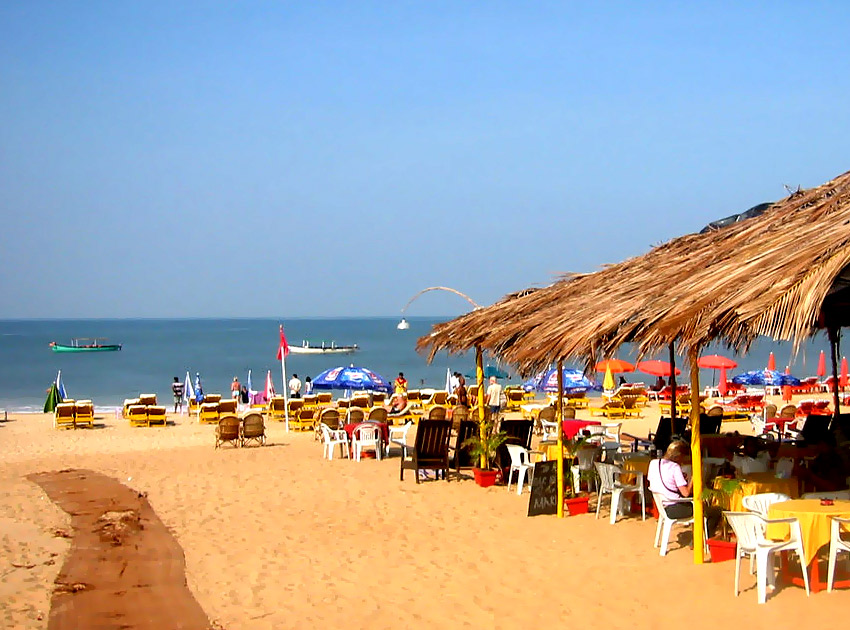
[[156, 350]]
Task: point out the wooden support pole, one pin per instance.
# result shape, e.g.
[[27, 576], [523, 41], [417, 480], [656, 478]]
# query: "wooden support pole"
[[560, 418], [482, 427], [696, 459]]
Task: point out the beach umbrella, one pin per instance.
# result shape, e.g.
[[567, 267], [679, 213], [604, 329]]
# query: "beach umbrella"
[[821, 365], [199, 391], [715, 362], [53, 399], [608, 381], [765, 377], [61, 386], [615, 365], [269, 391], [448, 380], [723, 387], [351, 377], [656, 368], [490, 370], [188, 391], [843, 380], [547, 381], [771, 362]]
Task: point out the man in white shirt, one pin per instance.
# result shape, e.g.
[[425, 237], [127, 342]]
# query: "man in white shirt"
[[294, 387], [453, 382], [494, 394]]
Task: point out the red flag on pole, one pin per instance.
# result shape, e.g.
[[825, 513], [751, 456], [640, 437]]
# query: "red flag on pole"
[[283, 348]]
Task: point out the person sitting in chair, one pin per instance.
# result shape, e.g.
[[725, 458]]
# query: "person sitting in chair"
[[667, 479], [752, 458]]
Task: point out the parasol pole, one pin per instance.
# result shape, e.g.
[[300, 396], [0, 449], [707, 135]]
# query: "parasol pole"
[[560, 418], [672, 389], [833, 351], [696, 459], [479, 375], [283, 353]]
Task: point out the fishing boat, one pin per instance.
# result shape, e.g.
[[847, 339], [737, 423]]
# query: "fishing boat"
[[79, 345], [307, 348]]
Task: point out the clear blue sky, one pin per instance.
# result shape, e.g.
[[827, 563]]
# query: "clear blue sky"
[[288, 159]]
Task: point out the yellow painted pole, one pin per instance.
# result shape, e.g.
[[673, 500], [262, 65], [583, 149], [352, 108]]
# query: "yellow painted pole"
[[479, 374], [560, 417], [696, 459]]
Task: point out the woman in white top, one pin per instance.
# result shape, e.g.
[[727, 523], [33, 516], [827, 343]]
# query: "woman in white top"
[[667, 479]]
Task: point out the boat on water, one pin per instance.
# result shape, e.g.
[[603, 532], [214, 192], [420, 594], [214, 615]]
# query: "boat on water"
[[79, 345], [307, 348]]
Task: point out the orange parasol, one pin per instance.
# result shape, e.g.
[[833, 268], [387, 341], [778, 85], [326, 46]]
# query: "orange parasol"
[[615, 365]]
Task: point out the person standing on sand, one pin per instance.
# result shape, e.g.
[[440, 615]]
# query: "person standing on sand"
[[460, 391], [234, 389], [308, 386], [494, 394], [400, 384], [294, 387], [177, 390]]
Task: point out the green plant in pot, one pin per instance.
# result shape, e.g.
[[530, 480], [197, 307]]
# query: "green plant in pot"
[[576, 500], [482, 447]]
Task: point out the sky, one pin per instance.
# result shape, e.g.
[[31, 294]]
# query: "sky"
[[298, 159]]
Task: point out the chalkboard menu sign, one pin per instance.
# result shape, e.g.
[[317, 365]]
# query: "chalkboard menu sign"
[[544, 488]]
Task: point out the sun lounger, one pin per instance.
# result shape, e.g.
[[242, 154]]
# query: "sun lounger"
[[324, 399], [277, 409], [156, 416], [610, 409], [63, 416], [212, 398], [515, 398], [138, 416], [147, 399], [227, 407], [209, 413], [84, 414], [128, 402]]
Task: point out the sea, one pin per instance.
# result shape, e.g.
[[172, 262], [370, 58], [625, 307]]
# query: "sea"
[[156, 350]]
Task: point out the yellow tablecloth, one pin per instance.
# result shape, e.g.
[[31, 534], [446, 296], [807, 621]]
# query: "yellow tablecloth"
[[638, 464], [814, 521], [755, 483]]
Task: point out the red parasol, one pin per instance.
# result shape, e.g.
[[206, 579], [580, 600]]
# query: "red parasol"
[[771, 362], [721, 387], [656, 368], [844, 378], [786, 389], [616, 365], [715, 361], [821, 365]]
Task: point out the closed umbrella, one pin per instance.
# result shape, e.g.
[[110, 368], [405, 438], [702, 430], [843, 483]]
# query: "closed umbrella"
[[53, 399], [722, 386], [771, 362], [608, 381], [822, 365], [843, 379], [786, 389]]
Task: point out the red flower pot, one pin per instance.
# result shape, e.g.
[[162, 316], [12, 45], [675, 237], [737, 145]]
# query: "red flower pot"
[[577, 505], [721, 550], [485, 478]]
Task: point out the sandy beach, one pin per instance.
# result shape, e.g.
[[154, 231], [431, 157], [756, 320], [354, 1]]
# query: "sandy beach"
[[277, 537]]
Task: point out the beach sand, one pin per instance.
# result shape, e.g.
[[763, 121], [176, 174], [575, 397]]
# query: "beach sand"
[[277, 537]]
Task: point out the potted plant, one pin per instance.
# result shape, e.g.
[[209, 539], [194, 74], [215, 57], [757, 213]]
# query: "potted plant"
[[482, 447], [576, 501], [723, 545]]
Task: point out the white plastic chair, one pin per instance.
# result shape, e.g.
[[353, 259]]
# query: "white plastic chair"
[[665, 523], [366, 436], [609, 483], [835, 495], [398, 437], [521, 464], [836, 544], [749, 530], [332, 437], [586, 459], [760, 503], [612, 431]]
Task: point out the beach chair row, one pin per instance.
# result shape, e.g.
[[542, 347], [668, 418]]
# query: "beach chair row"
[[143, 399], [73, 414], [146, 416]]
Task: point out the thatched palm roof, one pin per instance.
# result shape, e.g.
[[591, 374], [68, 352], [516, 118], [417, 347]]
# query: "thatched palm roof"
[[782, 274]]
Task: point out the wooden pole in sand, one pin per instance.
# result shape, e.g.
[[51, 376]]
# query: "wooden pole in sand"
[[672, 389], [696, 459], [482, 428], [560, 418], [832, 333]]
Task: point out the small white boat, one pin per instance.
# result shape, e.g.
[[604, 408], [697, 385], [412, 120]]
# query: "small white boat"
[[306, 348]]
